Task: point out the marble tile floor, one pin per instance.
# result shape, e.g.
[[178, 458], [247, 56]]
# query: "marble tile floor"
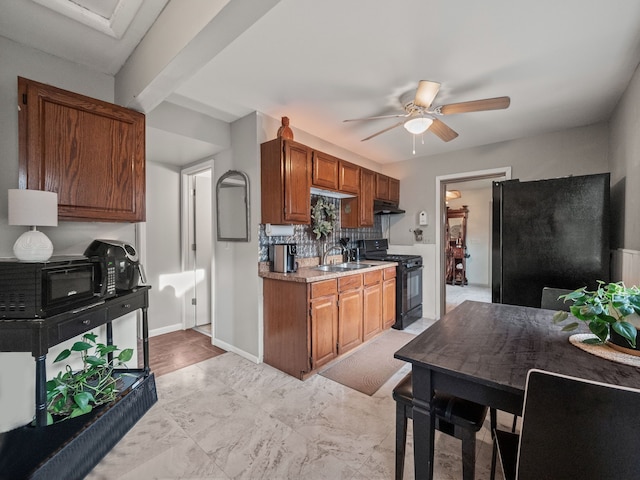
[[228, 418], [456, 294]]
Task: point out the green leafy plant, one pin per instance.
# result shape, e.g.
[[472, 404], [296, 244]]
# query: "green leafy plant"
[[73, 393], [603, 310], [323, 217]]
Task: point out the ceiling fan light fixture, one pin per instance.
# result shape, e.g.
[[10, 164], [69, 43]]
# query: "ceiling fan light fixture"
[[418, 125]]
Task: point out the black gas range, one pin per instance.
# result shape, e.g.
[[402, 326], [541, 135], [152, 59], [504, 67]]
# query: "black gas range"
[[408, 279]]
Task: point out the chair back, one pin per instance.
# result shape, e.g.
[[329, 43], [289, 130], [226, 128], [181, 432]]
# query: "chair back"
[[574, 428], [550, 299]]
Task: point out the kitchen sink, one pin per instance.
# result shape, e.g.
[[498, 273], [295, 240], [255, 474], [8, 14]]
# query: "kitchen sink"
[[342, 267]]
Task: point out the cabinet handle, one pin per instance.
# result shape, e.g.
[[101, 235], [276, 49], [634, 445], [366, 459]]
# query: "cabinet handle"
[[86, 322], [126, 305]]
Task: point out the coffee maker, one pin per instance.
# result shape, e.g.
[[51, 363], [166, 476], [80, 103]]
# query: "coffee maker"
[[283, 257]]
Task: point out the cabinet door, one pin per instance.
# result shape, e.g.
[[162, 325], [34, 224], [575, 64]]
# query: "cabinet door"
[[297, 182], [324, 334], [388, 303], [382, 187], [349, 180], [372, 311], [367, 186], [92, 153], [394, 190], [349, 320], [325, 171]]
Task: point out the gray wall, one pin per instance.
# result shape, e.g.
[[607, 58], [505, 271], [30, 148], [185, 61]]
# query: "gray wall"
[[162, 254], [578, 151], [17, 390], [624, 146]]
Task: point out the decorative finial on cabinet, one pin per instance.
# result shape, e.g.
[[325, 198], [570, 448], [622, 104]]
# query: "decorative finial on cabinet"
[[284, 131]]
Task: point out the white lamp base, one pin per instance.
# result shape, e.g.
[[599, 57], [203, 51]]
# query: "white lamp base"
[[33, 246]]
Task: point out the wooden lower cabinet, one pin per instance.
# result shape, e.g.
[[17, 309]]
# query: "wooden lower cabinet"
[[388, 297], [306, 325], [372, 304], [324, 334]]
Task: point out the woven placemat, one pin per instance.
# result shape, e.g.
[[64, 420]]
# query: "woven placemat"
[[603, 351]]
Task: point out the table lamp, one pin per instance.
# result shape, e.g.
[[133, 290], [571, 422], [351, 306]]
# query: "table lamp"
[[33, 208]]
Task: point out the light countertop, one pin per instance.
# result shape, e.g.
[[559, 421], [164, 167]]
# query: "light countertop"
[[308, 274]]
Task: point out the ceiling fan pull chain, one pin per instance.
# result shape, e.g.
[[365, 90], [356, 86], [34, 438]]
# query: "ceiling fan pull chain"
[[414, 144]]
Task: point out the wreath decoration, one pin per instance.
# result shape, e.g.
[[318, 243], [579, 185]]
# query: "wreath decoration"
[[323, 217]]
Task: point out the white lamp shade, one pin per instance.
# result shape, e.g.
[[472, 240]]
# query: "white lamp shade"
[[33, 208], [418, 125]]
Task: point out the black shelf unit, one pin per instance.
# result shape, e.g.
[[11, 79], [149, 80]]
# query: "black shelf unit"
[[70, 449]]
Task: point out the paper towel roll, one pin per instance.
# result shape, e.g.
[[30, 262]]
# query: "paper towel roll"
[[278, 230]]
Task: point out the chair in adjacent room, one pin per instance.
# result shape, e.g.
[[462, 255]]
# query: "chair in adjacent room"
[[573, 428], [454, 416]]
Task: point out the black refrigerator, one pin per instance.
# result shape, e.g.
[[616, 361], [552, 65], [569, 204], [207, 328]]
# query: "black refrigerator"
[[549, 233]]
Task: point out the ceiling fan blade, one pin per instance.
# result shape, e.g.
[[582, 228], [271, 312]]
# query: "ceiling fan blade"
[[425, 93], [442, 130], [376, 118], [383, 131], [497, 103]]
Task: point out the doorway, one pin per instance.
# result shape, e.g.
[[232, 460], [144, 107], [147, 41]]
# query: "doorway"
[[197, 246], [448, 182]]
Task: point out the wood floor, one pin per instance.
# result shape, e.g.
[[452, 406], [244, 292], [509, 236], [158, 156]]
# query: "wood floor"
[[175, 350]]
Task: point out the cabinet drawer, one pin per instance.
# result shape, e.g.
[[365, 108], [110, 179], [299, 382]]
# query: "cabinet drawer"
[[325, 287], [124, 306], [349, 283], [389, 272], [83, 323], [371, 278]]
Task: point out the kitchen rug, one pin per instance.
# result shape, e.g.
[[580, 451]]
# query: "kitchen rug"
[[371, 365]]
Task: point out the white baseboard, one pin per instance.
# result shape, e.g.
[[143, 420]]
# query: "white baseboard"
[[162, 330], [230, 348]]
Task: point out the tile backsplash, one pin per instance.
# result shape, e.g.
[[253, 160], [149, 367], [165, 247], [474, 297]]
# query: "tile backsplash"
[[308, 244]]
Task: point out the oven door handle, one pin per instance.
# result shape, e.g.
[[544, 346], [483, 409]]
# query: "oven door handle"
[[412, 269]]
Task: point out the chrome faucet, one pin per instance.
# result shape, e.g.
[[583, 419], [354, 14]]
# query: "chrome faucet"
[[326, 252]]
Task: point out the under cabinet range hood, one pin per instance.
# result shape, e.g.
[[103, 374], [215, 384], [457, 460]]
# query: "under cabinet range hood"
[[382, 207]]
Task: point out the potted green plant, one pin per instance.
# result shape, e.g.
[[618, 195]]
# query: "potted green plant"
[[73, 393], [607, 311]]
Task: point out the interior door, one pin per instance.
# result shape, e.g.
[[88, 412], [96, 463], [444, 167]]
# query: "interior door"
[[203, 247]]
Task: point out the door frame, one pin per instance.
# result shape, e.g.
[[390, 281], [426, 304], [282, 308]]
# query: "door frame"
[[441, 207], [186, 175]]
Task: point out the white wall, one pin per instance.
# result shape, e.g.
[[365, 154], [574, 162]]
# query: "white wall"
[[17, 390], [478, 234]]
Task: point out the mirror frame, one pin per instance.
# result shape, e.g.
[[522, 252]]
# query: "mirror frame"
[[247, 203]]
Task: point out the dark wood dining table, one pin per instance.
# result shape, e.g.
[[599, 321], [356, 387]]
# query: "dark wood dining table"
[[482, 352]]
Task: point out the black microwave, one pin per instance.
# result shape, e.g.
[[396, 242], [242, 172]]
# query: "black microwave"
[[42, 289]]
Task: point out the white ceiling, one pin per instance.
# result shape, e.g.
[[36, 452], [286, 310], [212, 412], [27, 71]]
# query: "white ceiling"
[[563, 63]]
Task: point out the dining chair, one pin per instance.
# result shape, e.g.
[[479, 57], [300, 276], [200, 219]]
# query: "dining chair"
[[550, 299], [573, 428], [454, 416]]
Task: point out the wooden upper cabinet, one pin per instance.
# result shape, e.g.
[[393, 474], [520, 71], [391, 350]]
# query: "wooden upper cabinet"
[[90, 152], [367, 186], [285, 182], [325, 171], [387, 188], [349, 180], [394, 190], [382, 187]]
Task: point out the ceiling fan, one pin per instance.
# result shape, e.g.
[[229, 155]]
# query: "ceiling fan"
[[421, 115]]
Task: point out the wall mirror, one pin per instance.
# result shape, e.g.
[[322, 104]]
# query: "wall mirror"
[[233, 207]]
